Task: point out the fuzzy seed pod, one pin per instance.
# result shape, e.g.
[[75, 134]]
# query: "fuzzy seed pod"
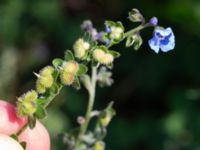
[[46, 80], [29, 96], [102, 57], [48, 70], [80, 48], [107, 59], [71, 66], [25, 108], [40, 88], [66, 78], [98, 54], [26, 104]]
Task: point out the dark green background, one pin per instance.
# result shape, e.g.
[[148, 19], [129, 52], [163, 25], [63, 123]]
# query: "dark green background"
[[156, 95]]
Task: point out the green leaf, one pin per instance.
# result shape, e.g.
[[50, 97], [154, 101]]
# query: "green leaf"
[[15, 137], [31, 121], [129, 41], [85, 79], [57, 62], [23, 144], [76, 83], [69, 55], [138, 43], [110, 23], [82, 69], [40, 112], [114, 53]]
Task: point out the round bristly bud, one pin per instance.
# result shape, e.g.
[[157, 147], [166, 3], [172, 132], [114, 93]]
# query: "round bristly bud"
[[25, 108], [116, 32], [99, 145], [26, 104], [40, 88], [48, 70], [67, 78], [46, 80], [80, 48], [154, 21], [71, 66], [30, 96], [98, 54], [107, 59]]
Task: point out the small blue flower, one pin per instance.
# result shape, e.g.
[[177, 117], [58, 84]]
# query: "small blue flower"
[[163, 39]]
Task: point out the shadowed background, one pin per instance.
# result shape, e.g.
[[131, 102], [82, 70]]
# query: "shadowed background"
[[156, 95]]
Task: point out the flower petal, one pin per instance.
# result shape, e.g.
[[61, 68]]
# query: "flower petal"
[[154, 44], [166, 48]]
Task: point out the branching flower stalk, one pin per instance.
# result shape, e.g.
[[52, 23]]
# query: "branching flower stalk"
[[92, 49]]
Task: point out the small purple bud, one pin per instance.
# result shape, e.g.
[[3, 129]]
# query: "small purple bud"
[[154, 21], [108, 30]]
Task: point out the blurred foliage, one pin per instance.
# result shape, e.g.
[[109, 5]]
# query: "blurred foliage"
[[156, 96]]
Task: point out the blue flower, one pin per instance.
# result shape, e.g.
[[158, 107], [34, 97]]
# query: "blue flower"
[[163, 39]]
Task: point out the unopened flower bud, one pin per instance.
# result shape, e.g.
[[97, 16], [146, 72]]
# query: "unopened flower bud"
[[154, 21], [102, 57], [30, 96], [99, 145], [71, 66], [48, 70], [67, 78], [26, 104], [116, 32], [98, 54], [107, 59], [46, 81], [80, 48], [81, 120], [40, 88]]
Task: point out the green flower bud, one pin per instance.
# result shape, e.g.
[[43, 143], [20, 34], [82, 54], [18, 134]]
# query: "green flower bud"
[[99, 145], [30, 96], [71, 66], [40, 88], [26, 104], [80, 48], [102, 57], [46, 80], [116, 32], [67, 78], [48, 70]]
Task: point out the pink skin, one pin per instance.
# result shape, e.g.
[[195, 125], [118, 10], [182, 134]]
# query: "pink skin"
[[37, 139]]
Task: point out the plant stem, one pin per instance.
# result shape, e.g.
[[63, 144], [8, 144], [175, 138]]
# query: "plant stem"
[[91, 91], [22, 129]]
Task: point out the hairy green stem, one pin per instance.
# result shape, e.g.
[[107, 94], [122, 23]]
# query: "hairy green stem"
[[91, 91]]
